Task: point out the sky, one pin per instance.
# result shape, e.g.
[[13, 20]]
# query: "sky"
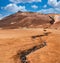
[[8, 7]]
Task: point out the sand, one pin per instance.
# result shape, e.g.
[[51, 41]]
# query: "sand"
[[13, 41]]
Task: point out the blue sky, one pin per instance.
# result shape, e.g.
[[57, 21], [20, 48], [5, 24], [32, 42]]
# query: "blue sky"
[[8, 7]]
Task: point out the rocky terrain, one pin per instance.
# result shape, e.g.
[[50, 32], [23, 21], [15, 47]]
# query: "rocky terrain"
[[30, 38], [26, 19], [30, 46]]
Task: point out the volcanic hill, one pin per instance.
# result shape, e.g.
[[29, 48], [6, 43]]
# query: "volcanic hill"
[[27, 19]]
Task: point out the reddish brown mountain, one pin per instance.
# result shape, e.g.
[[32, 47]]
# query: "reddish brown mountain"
[[26, 19]]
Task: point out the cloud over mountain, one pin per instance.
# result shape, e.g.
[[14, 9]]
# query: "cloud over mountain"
[[14, 8]]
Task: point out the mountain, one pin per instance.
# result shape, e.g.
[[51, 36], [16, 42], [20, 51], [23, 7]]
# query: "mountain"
[[35, 44], [28, 20]]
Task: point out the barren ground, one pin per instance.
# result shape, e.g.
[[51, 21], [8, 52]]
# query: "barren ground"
[[14, 41]]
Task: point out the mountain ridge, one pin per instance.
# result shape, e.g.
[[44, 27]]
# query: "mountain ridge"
[[28, 20]]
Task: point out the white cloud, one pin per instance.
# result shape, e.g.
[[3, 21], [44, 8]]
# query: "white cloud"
[[58, 4], [34, 6], [24, 1], [57, 9], [44, 6], [22, 8], [50, 10], [15, 8], [12, 7], [54, 3], [1, 16]]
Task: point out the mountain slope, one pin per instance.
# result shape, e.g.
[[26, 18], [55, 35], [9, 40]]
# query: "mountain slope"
[[25, 19], [29, 20]]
